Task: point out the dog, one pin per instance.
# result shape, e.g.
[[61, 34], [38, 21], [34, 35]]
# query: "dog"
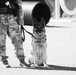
[[39, 45]]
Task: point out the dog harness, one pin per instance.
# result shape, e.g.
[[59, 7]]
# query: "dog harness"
[[39, 40]]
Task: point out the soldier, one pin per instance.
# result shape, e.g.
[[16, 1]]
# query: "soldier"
[[10, 20]]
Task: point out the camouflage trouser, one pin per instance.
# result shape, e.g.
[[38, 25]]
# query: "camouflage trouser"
[[8, 24]]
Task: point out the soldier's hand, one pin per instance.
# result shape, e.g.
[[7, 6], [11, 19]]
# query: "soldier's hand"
[[20, 22]]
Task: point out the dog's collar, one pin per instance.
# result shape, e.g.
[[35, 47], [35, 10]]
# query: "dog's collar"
[[39, 40], [38, 37]]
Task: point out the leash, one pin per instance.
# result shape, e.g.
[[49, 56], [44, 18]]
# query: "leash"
[[22, 31]]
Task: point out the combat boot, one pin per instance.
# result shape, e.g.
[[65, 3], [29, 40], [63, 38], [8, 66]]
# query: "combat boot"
[[5, 61], [22, 61]]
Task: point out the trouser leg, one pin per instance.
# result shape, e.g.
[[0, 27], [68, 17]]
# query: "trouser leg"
[[3, 48], [16, 37]]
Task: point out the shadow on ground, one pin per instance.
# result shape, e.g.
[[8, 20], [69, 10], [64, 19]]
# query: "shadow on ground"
[[51, 67]]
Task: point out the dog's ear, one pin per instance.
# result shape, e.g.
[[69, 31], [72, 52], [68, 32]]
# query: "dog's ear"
[[34, 21], [42, 21]]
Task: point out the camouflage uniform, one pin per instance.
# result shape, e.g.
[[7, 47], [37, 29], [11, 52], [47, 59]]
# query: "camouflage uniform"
[[9, 24]]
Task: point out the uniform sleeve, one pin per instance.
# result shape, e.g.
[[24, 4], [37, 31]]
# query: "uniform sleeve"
[[20, 12]]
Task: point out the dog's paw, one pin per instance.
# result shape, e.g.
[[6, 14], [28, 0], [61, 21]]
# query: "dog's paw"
[[45, 65]]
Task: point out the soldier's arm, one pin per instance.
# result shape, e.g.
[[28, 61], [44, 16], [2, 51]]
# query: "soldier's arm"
[[20, 12]]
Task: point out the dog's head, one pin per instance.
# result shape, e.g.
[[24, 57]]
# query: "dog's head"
[[39, 27]]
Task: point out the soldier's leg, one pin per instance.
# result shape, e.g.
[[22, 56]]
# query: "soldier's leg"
[[3, 30], [15, 36], [3, 48]]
